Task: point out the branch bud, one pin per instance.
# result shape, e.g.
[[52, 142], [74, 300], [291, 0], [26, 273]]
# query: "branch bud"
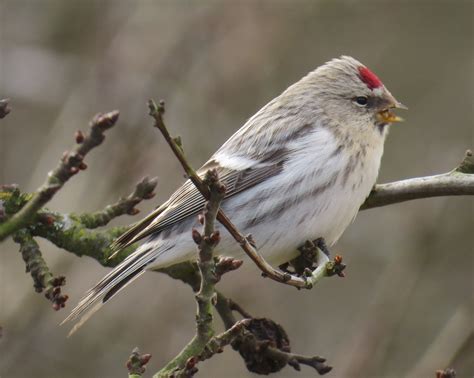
[[226, 264], [79, 136], [197, 237], [133, 211], [215, 237], [145, 358]]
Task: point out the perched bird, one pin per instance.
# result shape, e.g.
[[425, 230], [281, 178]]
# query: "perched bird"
[[297, 170]]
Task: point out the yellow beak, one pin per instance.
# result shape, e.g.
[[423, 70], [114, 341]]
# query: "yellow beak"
[[387, 116]]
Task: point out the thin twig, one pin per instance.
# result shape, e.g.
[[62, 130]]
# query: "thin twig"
[[217, 343], [205, 298], [70, 164], [143, 190], [294, 360]]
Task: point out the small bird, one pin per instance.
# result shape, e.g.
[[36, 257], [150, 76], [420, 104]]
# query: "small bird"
[[298, 170]]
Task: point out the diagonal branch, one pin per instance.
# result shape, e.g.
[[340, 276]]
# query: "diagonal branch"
[[69, 165]]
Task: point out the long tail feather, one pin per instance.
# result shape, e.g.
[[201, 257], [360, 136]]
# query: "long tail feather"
[[120, 277]]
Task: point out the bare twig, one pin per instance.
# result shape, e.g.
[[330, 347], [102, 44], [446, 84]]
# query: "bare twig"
[[217, 343], [4, 107], [70, 164], [294, 360], [37, 267], [206, 295], [458, 182], [143, 190]]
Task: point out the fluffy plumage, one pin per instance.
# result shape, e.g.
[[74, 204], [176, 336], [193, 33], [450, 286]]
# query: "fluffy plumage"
[[298, 169]]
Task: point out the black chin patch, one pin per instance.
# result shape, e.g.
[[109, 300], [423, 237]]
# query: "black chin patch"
[[381, 127]]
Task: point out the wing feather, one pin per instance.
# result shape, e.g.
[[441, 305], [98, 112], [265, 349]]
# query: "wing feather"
[[187, 200]]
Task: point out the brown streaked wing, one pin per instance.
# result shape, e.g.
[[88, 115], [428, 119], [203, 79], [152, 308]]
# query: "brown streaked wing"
[[126, 238], [187, 200]]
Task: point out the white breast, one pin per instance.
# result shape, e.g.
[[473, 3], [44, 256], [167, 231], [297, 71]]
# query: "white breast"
[[318, 195]]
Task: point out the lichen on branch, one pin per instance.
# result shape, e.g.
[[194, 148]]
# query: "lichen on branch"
[[143, 190], [43, 279]]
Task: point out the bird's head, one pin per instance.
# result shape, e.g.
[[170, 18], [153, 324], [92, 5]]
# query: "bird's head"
[[353, 95]]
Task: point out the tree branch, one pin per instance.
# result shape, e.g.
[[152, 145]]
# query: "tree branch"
[[71, 232], [42, 277], [206, 295], [458, 182], [69, 165], [217, 343], [143, 190], [66, 232]]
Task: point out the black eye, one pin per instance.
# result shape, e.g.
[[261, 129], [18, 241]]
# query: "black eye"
[[362, 100]]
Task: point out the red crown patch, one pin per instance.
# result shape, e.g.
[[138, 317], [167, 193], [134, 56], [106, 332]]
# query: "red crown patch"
[[369, 78]]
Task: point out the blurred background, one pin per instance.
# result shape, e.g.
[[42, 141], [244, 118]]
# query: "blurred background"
[[405, 307]]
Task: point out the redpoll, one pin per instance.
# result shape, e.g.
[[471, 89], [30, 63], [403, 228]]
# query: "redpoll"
[[297, 170]]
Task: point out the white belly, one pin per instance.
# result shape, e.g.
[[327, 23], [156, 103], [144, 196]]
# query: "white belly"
[[325, 211]]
